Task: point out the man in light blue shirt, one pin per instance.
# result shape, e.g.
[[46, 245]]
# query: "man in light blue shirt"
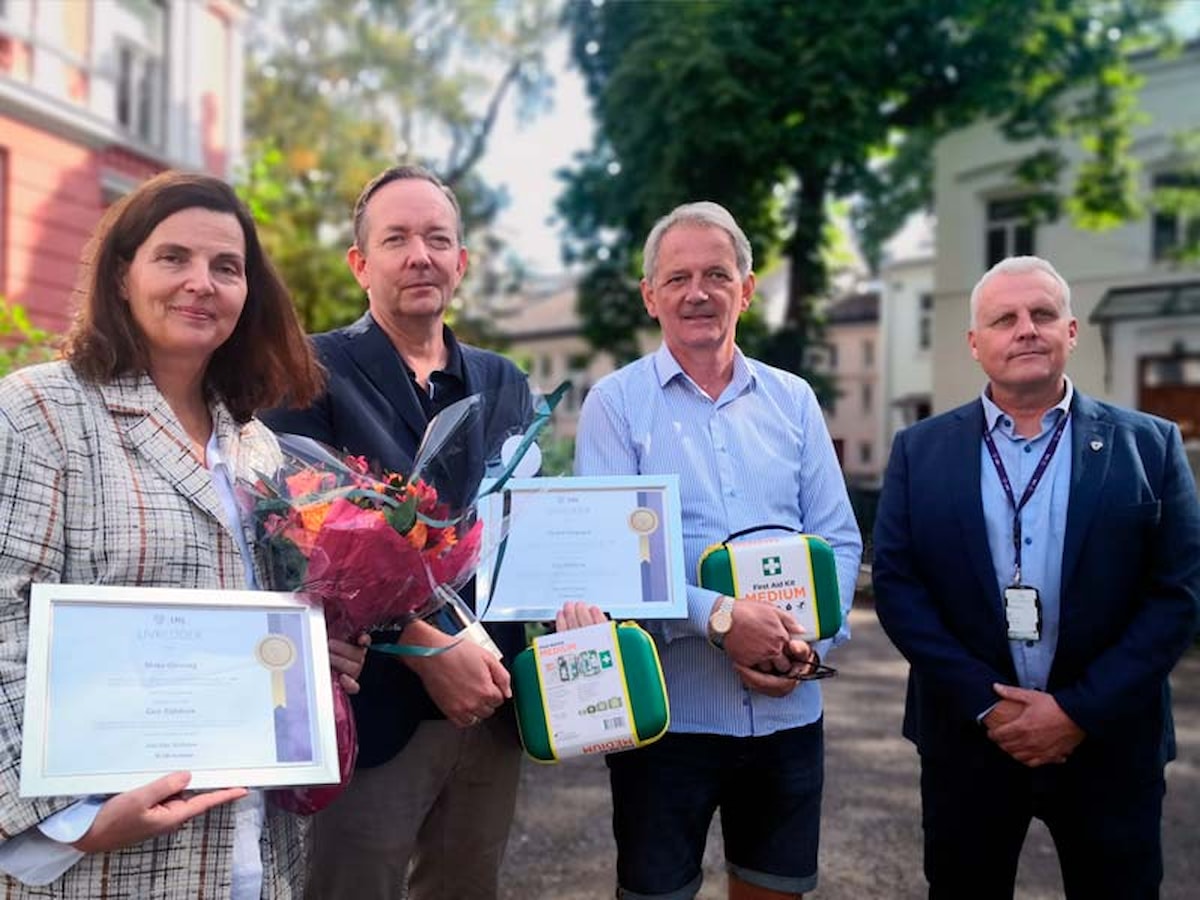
[[752, 448]]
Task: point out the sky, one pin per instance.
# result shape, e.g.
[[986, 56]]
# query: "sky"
[[523, 156]]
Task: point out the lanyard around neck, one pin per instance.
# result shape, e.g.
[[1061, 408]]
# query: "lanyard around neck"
[[1005, 483]]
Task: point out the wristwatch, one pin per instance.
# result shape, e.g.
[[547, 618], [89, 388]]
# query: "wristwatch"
[[720, 622]]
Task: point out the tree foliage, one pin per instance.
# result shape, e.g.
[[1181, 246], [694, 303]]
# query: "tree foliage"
[[21, 342], [773, 108], [338, 91]]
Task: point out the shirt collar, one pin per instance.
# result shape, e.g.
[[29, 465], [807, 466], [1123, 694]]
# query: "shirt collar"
[[667, 368], [997, 419], [212, 452], [454, 360]]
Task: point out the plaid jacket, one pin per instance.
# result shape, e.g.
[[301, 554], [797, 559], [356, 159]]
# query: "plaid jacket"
[[98, 485]]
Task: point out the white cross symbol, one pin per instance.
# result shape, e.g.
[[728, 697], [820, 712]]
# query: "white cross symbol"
[[771, 565]]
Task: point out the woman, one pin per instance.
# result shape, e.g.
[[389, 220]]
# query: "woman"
[[116, 467]]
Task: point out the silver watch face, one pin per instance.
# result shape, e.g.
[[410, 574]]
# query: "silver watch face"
[[722, 620]]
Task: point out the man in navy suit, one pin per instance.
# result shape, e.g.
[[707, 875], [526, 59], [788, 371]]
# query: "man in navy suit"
[[1037, 561], [439, 756]]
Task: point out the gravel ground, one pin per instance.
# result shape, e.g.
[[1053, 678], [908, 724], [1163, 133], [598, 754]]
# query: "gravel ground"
[[562, 849]]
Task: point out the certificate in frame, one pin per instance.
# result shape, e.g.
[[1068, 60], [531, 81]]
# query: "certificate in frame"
[[126, 684], [612, 541]]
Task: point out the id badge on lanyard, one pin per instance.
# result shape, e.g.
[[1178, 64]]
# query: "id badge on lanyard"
[[1022, 605], [1023, 612]]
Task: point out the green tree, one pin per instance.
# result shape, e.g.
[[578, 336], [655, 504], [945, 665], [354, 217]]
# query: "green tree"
[[21, 342], [337, 91], [774, 108]]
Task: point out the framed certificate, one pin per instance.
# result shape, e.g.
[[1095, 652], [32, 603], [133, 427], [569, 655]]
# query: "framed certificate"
[[614, 541], [124, 685]]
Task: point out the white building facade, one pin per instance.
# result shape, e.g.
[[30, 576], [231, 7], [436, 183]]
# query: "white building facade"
[[906, 328], [1138, 311]]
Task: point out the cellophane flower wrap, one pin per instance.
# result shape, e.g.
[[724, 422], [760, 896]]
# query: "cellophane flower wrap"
[[370, 548]]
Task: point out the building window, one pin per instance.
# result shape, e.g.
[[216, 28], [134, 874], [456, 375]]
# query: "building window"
[[833, 357], [139, 94], [868, 353], [140, 79], [925, 322], [1009, 229], [1172, 228], [868, 397], [864, 453], [1169, 386]]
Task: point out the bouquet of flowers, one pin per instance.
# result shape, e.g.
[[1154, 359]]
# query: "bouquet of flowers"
[[371, 549], [377, 549]]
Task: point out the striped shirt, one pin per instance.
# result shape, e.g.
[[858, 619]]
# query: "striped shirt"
[[1043, 524], [758, 454]]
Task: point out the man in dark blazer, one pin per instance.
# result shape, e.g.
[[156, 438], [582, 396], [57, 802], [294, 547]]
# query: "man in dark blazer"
[[1037, 561], [438, 756]]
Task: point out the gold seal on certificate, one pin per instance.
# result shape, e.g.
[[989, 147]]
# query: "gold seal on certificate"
[[612, 541], [644, 521], [277, 653]]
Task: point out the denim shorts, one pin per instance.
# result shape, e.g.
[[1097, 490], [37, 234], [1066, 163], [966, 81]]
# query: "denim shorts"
[[768, 790]]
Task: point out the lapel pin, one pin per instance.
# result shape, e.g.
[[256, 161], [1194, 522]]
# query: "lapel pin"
[[1096, 445]]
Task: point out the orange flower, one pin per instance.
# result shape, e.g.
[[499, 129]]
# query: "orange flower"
[[312, 515], [306, 481], [417, 535]]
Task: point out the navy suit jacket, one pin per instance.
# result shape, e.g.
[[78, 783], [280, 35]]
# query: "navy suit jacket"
[[370, 408], [1130, 582]]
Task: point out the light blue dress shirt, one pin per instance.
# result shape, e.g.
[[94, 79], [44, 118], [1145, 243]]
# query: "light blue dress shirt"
[[1043, 524], [758, 454]]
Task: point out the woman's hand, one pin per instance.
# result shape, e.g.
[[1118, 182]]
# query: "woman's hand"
[[575, 614], [347, 660], [148, 811]]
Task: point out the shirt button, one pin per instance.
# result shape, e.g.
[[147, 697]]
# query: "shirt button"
[[1006, 422], [1030, 644], [1028, 449], [1028, 541]]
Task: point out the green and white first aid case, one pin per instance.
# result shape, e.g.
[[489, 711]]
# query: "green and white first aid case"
[[597, 689], [796, 572]]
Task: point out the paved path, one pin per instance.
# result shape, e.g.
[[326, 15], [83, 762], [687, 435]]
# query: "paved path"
[[562, 849]]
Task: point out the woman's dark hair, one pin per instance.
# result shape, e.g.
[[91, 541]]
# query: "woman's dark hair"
[[267, 360]]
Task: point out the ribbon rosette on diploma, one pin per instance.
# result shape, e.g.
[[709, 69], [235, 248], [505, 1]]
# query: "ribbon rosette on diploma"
[[377, 549]]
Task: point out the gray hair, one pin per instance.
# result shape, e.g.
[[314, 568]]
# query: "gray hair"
[[1016, 265], [704, 213]]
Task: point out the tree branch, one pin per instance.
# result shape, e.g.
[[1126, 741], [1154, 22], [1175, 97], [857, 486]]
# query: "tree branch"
[[481, 131]]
